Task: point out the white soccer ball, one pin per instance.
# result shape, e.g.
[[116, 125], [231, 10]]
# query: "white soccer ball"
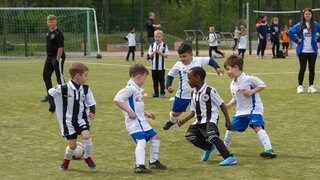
[[79, 151]]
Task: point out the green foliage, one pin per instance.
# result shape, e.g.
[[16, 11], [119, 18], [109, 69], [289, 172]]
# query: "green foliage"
[[32, 147]]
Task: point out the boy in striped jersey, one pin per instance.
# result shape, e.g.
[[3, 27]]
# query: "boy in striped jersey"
[[180, 68], [129, 100], [75, 104], [249, 108], [205, 103]]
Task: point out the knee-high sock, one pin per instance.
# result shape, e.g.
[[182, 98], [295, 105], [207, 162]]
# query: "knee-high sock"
[[154, 150], [228, 136], [173, 119], [264, 138], [69, 153], [140, 152], [88, 147], [220, 146]]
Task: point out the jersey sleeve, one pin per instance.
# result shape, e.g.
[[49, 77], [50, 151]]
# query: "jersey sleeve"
[[257, 82], [215, 97], [174, 70], [90, 99], [60, 40], [55, 91], [123, 95]]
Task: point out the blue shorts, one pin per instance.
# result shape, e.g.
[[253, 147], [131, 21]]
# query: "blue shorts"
[[180, 105], [241, 123], [147, 135]]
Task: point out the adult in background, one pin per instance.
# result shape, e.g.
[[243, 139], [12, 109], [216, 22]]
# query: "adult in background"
[[55, 54], [304, 35], [151, 27], [262, 30]]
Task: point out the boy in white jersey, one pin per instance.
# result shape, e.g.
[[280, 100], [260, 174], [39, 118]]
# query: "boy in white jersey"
[[157, 52], [72, 102], [129, 100], [182, 98], [205, 103], [243, 38], [249, 108]]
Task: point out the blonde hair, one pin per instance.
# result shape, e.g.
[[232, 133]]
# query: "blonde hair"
[[51, 17], [158, 32]]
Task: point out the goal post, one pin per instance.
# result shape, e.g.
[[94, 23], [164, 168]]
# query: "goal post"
[[23, 31]]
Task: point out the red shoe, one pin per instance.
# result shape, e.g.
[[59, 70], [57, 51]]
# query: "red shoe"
[[65, 164], [90, 163]]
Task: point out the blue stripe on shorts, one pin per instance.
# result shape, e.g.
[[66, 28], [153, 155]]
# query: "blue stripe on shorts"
[[147, 135], [241, 123]]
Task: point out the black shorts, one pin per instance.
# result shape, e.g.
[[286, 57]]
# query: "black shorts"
[[79, 130], [204, 130]]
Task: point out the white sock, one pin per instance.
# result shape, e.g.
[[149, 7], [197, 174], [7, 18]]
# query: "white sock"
[[69, 153], [228, 136], [140, 152], [154, 150], [264, 138], [87, 147], [173, 119]]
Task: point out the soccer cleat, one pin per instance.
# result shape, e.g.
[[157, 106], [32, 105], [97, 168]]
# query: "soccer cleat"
[[154, 95], [141, 169], [90, 163], [167, 125], [157, 165], [207, 153], [228, 162], [312, 89], [65, 164], [45, 99], [300, 89], [162, 95], [268, 154]]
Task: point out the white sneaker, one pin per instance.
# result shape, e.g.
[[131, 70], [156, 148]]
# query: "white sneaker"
[[300, 89], [312, 89]]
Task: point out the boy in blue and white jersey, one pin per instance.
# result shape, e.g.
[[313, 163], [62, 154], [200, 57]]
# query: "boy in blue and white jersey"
[[249, 108], [129, 100], [181, 68]]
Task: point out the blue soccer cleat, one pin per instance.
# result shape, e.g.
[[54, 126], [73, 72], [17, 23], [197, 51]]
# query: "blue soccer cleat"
[[268, 154], [228, 162], [206, 154]]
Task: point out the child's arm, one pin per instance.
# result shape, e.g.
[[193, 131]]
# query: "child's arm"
[[126, 108], [247, 93], [226, 116], [184, 120], [230, 104], [169, 83], [216, 66], [150, 115], [92, 113]]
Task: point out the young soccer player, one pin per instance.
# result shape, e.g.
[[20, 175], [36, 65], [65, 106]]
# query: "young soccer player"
[[182, 98], [72, 101], [55, 54], [285, 39], [204, 132], [131, 37], [249, 108], [275, 31], [157, 52], [129, 100], [243, 38], [214, 42]]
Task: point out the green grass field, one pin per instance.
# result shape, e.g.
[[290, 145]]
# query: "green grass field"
[[32, 148]]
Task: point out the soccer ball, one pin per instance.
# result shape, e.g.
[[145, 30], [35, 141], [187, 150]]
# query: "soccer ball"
[[79, 151]]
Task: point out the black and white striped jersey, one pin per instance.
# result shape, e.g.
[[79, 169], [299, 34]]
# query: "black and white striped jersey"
[[205, 103]]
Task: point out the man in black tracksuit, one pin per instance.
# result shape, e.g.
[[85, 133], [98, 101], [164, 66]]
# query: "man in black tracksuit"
[[55, 54]]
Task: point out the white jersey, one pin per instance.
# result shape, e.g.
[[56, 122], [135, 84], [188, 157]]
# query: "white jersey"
[[180, 69], [158, 62], [131, 39], [243, 42], [205, 103], [251, 105], [77, 100], [132, 96], [213, 39]]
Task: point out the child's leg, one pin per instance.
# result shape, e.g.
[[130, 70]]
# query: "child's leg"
[[227, 137], [154, 149], [197, 140], [162, 81], [87, 141], [133, 55], [128, 54], [210, 51], [140, 152], [155, 79], [72, 144], [217, 51], [263, 137]]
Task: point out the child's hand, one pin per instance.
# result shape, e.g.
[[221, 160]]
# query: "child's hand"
[[170, 89], [132, 115], [150, 115], [220, 71], [91, 116], [181, 122], [247, 93], [228, 125]]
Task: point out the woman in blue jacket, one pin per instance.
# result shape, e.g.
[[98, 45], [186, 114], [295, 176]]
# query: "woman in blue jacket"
[[304, 35]]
